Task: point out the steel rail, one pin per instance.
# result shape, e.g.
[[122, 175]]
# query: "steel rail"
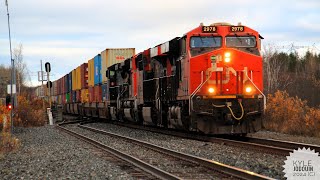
[[136, 162], [223, 168], [282, 144], [226, 141]]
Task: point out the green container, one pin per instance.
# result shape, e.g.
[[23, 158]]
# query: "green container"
[[68, 97]]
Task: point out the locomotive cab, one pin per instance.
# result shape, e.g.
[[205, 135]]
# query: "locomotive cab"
[[225, 72]]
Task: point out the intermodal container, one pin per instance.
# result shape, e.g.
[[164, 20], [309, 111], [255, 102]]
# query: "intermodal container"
[[74, 96], [97, 70], [84, 95], [97, 93], [84, 75], [74, 80], [78, 96], [91, 94], [78, 78], [60, 100], [63, 99], [104, 89], [91, 73], [70, 82], [55, 88], [62, 86], [54, 99], [68, 98], [65, 83], [59, 86], [110, 57]]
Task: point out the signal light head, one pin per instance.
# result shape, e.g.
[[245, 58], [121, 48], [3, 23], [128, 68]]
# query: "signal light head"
[[9, 107]]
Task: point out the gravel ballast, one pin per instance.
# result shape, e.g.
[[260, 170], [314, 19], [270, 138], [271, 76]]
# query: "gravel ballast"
[[47, 153], [175, 166], [266, 164]]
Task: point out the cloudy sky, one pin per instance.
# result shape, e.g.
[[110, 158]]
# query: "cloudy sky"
[[69, 32]]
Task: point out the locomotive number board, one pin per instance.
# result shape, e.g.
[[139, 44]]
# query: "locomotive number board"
[[209, 29], [237, 28]]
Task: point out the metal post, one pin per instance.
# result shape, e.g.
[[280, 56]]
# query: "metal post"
[[49, 88], [12, 67]]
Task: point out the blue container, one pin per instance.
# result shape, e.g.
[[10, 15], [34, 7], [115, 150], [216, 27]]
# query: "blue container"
[[97, 70], [70, 83], [74, 96], [104, 90], [67, 83]]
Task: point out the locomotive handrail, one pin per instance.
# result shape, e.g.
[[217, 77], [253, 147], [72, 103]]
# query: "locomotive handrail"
[[264, 96], [158, 78], [196, 90]]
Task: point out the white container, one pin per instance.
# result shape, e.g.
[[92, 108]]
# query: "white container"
[[110, 57]]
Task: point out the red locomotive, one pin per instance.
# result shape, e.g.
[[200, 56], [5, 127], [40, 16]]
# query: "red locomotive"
[[209, 80]]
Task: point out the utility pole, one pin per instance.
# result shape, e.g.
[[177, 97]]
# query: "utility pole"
[[12, 67]]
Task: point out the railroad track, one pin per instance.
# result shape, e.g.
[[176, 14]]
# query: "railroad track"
[[155, 172], [288, 145], [282, 148], [203, 168]]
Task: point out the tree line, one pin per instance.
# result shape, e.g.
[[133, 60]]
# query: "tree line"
[[299, 75]]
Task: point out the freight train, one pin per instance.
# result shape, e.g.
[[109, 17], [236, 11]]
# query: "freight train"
[[209, 80]]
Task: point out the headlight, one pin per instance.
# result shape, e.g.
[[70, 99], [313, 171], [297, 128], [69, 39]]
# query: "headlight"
[[211, 90], [248, 89], [227, 56]]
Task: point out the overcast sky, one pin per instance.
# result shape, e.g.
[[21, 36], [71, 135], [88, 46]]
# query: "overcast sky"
[[67, 33]]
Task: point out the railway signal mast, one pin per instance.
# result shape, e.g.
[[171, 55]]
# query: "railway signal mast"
[[12, 66]]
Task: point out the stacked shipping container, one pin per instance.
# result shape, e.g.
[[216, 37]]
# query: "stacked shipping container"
[[110, 57], [88, 82]]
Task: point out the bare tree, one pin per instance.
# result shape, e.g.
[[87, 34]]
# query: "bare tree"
[[21, 67], [274, 68]]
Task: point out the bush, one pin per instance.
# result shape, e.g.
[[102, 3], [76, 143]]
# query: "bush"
[[291, 115], [29, 113]]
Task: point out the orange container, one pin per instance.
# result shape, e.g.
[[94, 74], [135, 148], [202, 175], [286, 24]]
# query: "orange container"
[[78, 78], [74, 80], [91, 72], [84, 95]]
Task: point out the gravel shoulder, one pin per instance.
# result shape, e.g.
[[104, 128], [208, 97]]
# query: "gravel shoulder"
[[266, 164], [285, 137], [47, 153]]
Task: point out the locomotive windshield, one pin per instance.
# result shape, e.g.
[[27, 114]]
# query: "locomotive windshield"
[[205, 42], [241, 41]]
